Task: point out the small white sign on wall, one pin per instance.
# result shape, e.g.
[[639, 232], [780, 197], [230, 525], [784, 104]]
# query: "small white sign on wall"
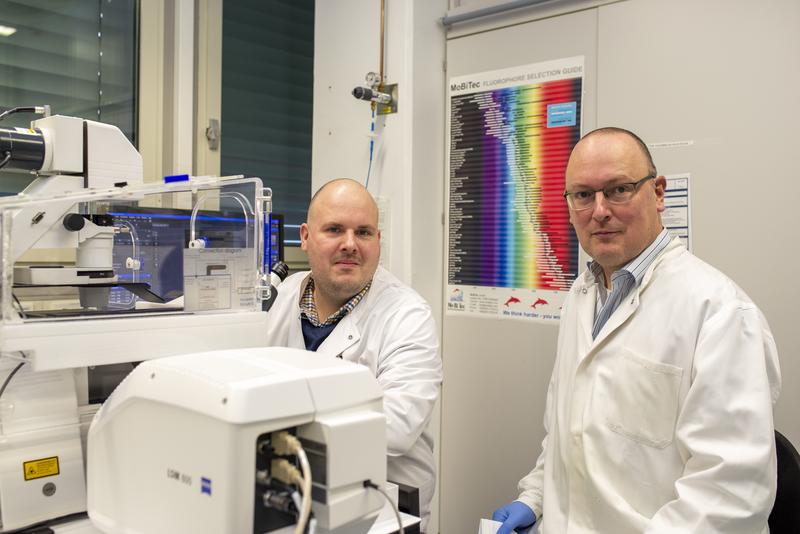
[[676, 217]]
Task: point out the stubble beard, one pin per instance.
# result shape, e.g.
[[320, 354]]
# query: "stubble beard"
[[339, 291]]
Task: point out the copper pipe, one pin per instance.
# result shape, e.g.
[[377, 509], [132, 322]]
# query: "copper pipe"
[[383, 30]]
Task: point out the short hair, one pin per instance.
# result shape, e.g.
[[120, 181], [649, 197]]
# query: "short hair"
[[651, 167]]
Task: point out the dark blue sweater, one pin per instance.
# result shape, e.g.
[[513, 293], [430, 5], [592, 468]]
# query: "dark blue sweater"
[[315, 335]]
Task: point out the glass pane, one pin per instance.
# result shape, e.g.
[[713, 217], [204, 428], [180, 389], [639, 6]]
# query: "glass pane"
[[120, 255], [78, 56], [267, 100]]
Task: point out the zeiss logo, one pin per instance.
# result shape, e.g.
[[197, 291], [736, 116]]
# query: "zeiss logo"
[[205, 485]]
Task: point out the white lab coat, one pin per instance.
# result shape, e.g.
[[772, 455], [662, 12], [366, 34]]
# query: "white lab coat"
[[663, 423], [392, 332]]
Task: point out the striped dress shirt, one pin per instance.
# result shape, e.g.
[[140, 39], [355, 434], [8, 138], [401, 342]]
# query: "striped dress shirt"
[[623, 281]]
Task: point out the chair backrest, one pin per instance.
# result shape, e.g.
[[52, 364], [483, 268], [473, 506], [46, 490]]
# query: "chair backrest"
[[785, 515]]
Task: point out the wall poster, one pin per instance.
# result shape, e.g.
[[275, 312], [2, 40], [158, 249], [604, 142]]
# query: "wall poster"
[[511, 250]]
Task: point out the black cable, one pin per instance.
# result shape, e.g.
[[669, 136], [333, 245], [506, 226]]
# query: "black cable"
[[26, 109], [9, 377], [20, 309], [43, 527]]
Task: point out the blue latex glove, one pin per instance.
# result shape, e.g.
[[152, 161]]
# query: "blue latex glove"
[[515, 515]]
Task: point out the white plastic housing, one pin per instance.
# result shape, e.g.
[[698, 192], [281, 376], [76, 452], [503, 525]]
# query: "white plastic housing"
[[110, 156], [176, 421]]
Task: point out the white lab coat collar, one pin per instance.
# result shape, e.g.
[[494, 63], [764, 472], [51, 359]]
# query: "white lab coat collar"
[[346, 334], [587, 298]]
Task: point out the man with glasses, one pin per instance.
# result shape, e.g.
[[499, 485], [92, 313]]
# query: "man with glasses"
[[659, 408]]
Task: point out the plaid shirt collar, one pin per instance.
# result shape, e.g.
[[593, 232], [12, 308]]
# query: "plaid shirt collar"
[[309, 308]]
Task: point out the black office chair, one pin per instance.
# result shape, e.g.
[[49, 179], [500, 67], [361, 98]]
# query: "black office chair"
[[408, 502], [785, 515]]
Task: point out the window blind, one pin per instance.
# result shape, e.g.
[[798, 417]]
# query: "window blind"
[[78, 56], [267, 99]]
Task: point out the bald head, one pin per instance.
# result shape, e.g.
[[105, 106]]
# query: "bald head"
[[342, 191], [342, 240], [640, 145]]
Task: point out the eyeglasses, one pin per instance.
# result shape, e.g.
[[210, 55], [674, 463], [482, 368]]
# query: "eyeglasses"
[[583, 199]]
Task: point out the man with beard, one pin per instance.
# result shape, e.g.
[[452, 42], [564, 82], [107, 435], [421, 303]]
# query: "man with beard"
[[349, 307]]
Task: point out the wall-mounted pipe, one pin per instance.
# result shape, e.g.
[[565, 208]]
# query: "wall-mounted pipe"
[[383, 39], [449, 20]]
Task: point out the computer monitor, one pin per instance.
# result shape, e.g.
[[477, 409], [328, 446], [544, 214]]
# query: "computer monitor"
[[273, 251], [161, 235]]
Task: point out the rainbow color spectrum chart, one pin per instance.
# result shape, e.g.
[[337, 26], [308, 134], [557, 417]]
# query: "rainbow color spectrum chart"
[[511, 250]]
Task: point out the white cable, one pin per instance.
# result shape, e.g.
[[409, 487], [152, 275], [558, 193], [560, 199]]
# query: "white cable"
[[130, 263], [283, 444], [244, 203], [305, 511], [134, 247], [374, 486]]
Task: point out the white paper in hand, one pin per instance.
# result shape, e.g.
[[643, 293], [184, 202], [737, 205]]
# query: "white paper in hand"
[[487, 526]]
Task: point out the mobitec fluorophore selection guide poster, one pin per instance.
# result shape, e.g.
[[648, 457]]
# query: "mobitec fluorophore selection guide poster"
[[511, 250]]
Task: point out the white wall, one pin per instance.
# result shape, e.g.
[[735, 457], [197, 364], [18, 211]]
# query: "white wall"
[[722, 74], [408, 163]]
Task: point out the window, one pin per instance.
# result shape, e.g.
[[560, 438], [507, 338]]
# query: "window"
[[267, 100], [78, 56]]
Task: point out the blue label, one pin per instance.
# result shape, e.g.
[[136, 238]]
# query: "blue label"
[[205, 485], [176, 178], [562, 114]]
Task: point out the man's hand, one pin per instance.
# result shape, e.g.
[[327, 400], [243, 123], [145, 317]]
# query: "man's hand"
[[515, 515]]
